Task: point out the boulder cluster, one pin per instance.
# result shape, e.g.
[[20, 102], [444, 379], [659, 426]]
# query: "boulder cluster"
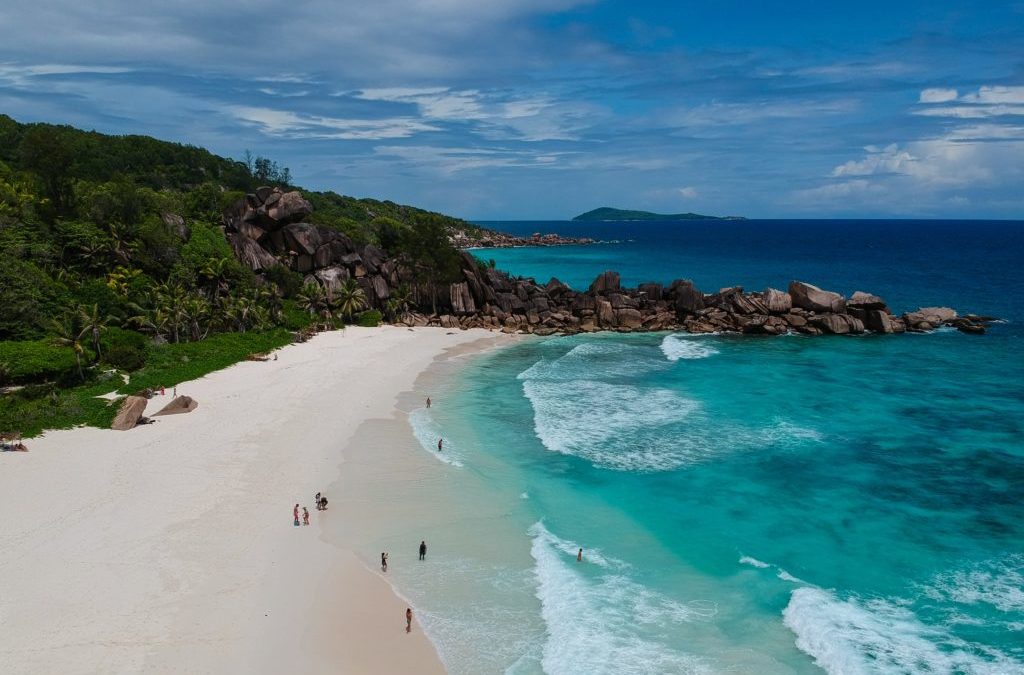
[[267, 228]]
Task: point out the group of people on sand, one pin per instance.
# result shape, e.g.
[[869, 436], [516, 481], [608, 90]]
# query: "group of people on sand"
[[321, 505]]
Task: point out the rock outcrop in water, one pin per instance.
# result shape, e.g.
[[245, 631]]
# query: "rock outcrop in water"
[[266, 229]]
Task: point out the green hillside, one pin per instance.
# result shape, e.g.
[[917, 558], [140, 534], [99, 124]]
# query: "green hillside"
[[112, 256], [608, 213]]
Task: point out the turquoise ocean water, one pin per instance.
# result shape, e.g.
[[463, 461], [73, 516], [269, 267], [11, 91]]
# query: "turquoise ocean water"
[[745, 505]]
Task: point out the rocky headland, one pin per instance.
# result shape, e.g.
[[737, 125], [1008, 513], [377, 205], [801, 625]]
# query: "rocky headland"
[[484, 238], [267, 228]]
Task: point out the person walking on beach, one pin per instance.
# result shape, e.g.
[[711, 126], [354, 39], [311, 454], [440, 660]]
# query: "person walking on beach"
[[440, 442], [323, 503], [579, 556], [384, 561], [305, 516], [316, 500], [295, 514], [408, 619], [428, 401], [175, 394]]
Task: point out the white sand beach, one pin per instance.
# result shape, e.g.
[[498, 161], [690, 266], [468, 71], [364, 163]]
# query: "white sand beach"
[[171, 548]]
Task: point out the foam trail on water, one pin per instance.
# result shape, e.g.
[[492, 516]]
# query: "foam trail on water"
[[679, 347], [753, 562], [596, 624], [427, 431], [999, 583], [866, 637]]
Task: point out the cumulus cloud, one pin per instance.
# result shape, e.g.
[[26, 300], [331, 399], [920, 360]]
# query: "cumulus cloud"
[[938, 95], [890, 159]]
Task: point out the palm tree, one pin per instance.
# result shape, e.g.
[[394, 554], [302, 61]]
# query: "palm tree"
[[398, 303], [197, 311], [66, 334], [311, 298], [93, 324], [351, 298], [216, 271]]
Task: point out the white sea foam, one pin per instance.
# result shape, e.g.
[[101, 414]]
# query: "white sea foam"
[[612, 425], [612, 359], [753, 562], [853, 636], [604, 623], [427, 432], [786, 576], [999, 583], [676, 347]]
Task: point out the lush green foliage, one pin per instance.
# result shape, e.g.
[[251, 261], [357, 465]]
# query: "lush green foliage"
[[112, 256], [369, 318], [34, 361], [39, 407]]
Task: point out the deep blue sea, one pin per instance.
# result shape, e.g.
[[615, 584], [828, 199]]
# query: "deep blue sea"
[[745, 505]]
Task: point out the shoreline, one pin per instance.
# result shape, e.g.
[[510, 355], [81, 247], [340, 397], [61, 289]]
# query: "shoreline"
[[170, 547]]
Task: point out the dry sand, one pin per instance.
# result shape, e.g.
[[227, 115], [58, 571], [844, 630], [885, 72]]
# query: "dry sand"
[[171, 548]]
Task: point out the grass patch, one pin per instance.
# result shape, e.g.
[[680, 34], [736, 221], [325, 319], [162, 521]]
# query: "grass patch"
[[170, 364], [36, 408]]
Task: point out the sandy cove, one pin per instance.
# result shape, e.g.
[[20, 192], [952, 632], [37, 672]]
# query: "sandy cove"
[[171, 548]]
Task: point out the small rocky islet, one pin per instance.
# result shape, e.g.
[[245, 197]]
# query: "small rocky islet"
[[267, 228]]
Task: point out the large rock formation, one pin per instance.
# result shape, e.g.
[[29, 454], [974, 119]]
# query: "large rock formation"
[[268, 228], [812, 298]]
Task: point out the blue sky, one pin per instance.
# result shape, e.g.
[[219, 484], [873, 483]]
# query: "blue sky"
[[523, 109]]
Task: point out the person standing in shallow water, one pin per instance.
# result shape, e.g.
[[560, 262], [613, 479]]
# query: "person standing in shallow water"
[[440, 442], [428, 401], [384, 561], [423, 550], [408, 619], [579, 556]]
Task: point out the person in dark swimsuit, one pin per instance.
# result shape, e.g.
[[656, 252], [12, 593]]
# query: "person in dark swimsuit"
[[423, 550], [384, 561]]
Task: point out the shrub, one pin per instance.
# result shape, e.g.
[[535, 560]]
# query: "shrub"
[[124, 349], [369, 318], [36, 361], [295, 318]]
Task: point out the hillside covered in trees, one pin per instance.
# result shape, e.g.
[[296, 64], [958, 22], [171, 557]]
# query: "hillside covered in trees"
[[113, 256]]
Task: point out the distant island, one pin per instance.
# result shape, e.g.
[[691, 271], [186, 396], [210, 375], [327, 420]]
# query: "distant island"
[[608, 213]]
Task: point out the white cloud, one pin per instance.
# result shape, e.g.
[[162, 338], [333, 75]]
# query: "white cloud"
[[993, 101], [294, 125], [878, 160], [937, 95], [996, 95], [688, 192], [20, 75], [495, 116], [452, 160]]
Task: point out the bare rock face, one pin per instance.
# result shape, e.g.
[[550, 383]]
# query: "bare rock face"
[[810, 297], [291, 207], [302, 238], [628, 318], [879, 321], [331, 278], [928, 318], [176, 224], [866, 301], [605, 282], [685, 296], [776, 302], [838, 324], [605, 313], [250, 253]]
